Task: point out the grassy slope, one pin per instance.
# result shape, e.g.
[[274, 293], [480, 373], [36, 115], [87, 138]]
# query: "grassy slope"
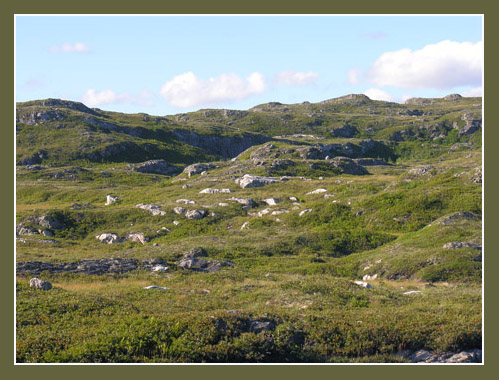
[[295, 271]]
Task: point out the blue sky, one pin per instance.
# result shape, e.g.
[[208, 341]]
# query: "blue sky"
[[164, 65]]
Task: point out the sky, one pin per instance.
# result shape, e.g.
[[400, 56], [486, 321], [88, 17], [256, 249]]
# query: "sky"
[[164, 65]]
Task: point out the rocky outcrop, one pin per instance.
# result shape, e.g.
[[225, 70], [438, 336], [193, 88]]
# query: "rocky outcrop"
[[109, 238], [461, 244], [201, 265], [36, 158], [419, 101], [197, 169], [36, 283], [223, 146], [456, 217], [346, 130], [248, 181], [424, 356], [452, 97], [155, 167], [347, 166]]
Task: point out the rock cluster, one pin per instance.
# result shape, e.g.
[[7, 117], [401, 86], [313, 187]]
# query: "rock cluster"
[[191, 261], [153, 209], [197, 169], [249, 180]]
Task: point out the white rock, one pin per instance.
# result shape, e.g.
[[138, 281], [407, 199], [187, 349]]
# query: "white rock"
[[370, 277], [108, 238], [293, 199], [363, 284], [413, 292], [186, 201], [215, 191], [175, 222], [328, 196], [179, 210], [223, 204], [248, 181], [306, 211], [317, 191], [271, 201], [245, 224], [159, 268], [110, 199], [278, 212], [195, 214], [40, 284], [155, 287], [138, 238], [153, 209]]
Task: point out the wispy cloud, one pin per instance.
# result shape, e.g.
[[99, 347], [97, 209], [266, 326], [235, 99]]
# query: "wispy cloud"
[[296, 78], [94, 98], [77, 47], [441, 66], [187, 90]]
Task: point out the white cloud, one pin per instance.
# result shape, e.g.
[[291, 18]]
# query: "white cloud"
[[474, 92], [186, 90], [354, 75], [377, 94], [78, 47], [440, 66], [296, 78], [93, 98]]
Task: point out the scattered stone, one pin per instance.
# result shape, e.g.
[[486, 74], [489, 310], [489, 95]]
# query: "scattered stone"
[[179, 210], [159, 268], [477, 177], [368, 277], [110, 200], [363, 284], [156, 287], [176, 222], [109, 265], [246, 202], [424, 356], [318, 191], [195, 214], [293, 199], [423, 170], [260, 213], [306, 211], [201, 265], [245, 225], [249, 181], [223, 204], [215, 191], [460, 244], [271, 201], [186, 201], [413, 292], [153, 209], [279, 212], [40, 284], [109, 238], [138, 238]]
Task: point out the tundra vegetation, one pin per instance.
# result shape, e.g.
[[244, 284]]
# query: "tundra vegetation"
[[343, 231]]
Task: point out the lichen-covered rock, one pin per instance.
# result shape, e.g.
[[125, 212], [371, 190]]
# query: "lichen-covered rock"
[[40, 284], [195, 214], [153, 209], [137, 237], [454, 218], [246, 202], [428, 170], [271, 201], [249, 180], [109, 238]]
